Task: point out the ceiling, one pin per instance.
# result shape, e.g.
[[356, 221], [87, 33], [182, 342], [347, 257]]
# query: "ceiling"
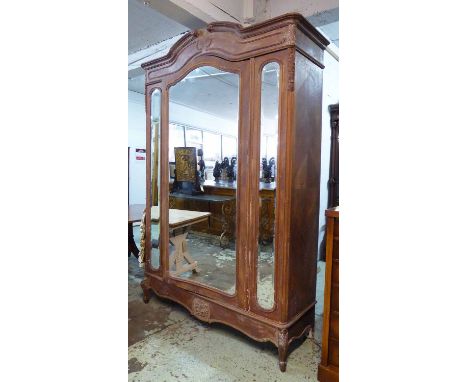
[[216, 92], [147, 27], [327, 22]]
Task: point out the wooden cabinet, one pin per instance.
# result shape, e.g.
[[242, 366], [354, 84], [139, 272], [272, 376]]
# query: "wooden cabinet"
[[261, 85], [219, 221], [329, 365]]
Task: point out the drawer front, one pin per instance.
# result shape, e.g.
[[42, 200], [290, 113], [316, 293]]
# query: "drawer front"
[[334, 325], [333, 352]]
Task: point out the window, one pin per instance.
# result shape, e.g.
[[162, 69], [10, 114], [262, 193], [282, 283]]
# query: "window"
[[215, 146], [229, 147], [176, 139], [193, 138], [211, 148], [269, 145]]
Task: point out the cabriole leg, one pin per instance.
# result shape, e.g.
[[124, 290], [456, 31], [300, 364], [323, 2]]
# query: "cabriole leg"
[[283, 343], [146, 290]]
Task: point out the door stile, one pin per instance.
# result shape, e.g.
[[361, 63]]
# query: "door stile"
[[164, 166]]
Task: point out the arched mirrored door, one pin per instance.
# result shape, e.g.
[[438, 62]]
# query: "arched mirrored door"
[[203, 168]]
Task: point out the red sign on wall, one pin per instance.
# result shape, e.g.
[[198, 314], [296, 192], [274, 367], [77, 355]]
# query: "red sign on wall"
[[140, 158]]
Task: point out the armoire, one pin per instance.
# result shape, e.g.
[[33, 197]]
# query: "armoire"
[[255, 92]]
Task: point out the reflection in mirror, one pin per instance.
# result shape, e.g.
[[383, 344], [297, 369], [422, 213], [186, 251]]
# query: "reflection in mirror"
[[203, 129], [267, 185], [155, 176]]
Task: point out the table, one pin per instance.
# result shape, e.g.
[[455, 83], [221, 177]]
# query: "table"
[[179, 221], [228, 210]]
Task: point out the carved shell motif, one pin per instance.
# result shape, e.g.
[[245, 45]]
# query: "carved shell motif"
[[201, 309], [203, 41]]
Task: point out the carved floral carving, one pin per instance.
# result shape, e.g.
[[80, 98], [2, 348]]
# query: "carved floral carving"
[[291, 68], [164, 289], [283, 338], [201, 309]]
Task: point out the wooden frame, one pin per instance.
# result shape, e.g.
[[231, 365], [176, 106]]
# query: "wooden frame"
[[298, 48]]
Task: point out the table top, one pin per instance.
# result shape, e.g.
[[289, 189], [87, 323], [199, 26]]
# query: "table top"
[[180, 218], [177, 218]]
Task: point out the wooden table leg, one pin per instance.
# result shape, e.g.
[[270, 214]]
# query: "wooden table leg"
[[180, 254], [132, 247]]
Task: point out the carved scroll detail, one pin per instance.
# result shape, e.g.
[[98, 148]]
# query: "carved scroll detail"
[[282, 338], [201, 309], [141, 257], [291, 68], [228, 210]]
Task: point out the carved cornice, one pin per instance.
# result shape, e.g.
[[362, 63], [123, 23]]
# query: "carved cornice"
[[171, 56], [272, 24], [277, 33]]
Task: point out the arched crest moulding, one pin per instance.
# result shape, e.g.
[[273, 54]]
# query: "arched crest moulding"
[[235, 43]]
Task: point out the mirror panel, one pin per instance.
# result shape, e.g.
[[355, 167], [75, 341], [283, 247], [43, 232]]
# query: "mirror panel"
[[203, 146], [155, 172], [267, 185]]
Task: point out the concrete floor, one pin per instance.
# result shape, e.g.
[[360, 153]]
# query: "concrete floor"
[[166, 343]]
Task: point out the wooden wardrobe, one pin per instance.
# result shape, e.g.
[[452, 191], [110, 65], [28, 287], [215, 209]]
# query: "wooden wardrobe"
[[275, 67]]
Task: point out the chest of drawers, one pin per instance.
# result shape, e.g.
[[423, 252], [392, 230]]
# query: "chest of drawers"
[[328, 368]]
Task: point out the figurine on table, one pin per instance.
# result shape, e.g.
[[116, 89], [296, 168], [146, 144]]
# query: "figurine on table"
[[272, 165], [234, 167], [266, 171], [217, 171], [224, 166], [230, 172], [201, 165]]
